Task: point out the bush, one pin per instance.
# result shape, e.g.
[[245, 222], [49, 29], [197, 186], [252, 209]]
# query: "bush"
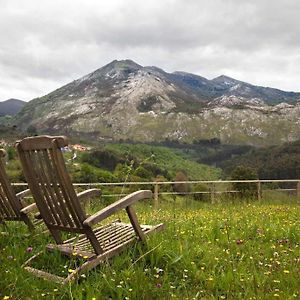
[[201, 187], [88, 174], [14, 171], [247, 189], [181, 188], [163, 187], [143, 173]]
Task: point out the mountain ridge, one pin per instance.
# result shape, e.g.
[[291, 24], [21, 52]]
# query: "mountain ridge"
[[124, 100], [11, 107]]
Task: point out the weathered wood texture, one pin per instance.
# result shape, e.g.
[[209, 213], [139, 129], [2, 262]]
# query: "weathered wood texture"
[[44, 168], [11, 207]]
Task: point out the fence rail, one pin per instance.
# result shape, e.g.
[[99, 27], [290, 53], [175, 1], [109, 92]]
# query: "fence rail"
[[214, 187]]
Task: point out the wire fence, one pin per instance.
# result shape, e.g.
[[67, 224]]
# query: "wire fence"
[[208, 188]]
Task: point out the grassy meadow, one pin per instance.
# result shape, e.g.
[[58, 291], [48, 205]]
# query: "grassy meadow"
[[229, 250]]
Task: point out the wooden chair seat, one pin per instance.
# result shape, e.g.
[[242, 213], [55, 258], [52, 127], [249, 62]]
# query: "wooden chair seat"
[[111, 237]]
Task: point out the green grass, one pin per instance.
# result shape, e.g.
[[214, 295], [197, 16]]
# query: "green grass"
[[223, 251]]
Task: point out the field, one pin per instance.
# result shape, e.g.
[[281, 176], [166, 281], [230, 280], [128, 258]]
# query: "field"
[[229, 250]]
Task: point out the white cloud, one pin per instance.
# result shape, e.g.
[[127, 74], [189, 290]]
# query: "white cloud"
[[45, 44]]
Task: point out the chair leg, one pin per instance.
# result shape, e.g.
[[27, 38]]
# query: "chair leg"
[[2, 222], [56, 235], [94, 241], [135, 223], [28, 222]]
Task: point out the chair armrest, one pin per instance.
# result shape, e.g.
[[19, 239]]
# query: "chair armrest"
[[23, 194], [28, 208], [116, 206], [88, 194]]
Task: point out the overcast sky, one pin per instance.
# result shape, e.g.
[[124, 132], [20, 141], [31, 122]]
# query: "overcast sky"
[[46, 44]]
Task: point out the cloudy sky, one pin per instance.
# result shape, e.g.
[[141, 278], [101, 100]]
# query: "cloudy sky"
[[45, 44]]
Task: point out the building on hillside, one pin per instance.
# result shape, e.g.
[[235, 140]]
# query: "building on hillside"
[[78, 147]]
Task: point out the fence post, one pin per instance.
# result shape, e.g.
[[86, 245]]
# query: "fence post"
[[212, 193], [258, 190], [298, 190], [156, 190]]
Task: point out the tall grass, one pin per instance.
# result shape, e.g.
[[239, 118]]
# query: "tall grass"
[[224, 251]]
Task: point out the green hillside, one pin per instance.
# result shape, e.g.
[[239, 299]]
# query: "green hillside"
[[166, 159], [276, 162]]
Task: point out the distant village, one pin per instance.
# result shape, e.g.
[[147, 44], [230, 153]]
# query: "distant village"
[[71, 147], [76, 147]]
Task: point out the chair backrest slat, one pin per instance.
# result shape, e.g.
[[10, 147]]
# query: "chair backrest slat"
[[6, 209], [55, 191], [10, 206], [49, 182], [52, 205], [67, 184], [67, 189]]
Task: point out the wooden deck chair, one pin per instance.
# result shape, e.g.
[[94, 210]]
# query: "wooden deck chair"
[[11, 206], [60, 207]]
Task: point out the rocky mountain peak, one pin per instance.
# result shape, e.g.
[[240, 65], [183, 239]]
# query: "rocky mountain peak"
[[117, 69], [122, 65], [226, 80], [126, 100]]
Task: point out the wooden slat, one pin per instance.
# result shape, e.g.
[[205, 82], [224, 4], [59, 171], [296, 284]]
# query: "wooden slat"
[[96, 261], [62, 197], [5, 207], [70, 250], [111, 238], [42, 142], [45, 275], [53, 179], [82, 236], [68, 184], [66, 228], [106, 238], [65, 182], [33, 185], [8, 196], [10, 204], [48, 186], [41, 181], [112, 230], [130, 235]]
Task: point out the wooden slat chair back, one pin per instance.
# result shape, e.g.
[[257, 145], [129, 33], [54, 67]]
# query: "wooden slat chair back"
[[44, 168], [50, 184], [10, 204]]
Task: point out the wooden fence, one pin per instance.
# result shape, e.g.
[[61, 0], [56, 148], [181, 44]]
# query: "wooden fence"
[[213, 188]]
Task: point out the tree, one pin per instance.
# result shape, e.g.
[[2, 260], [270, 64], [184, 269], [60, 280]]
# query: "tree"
[[181, 188], [11, 153], [31, 130], [203, 192], [246, 189]]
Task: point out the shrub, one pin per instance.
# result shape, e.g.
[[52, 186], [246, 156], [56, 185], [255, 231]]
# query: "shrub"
[[89, 174], [247, 189], [181, 188], [205, 195]]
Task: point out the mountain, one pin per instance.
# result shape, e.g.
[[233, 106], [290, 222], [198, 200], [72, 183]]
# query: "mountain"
[[11, 107], [124, 100]]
